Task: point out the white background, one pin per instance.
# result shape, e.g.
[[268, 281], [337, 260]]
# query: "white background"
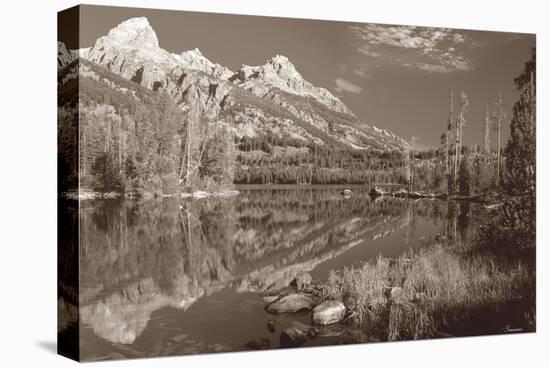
[[28, 176]]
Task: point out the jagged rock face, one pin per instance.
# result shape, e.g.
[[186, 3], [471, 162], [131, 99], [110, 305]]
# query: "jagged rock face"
[[279, 72], [64, 57], [135, 31], [131, 49], [194, 59], [194, 89]]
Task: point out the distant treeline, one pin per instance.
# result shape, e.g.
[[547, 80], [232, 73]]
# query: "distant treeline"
[[268, 159]]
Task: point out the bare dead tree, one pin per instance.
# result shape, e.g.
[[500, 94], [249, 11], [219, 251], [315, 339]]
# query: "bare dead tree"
[[407, 157], [460, 122], [411, 163], [487, 137], [498, 117], [448, 134]]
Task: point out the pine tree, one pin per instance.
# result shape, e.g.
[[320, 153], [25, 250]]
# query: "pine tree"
[[219, 160], [520, 181], [514, 226]]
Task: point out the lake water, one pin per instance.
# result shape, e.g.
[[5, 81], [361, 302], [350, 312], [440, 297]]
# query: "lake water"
[[173, 276]]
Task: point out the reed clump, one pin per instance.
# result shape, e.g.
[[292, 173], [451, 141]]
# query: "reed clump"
[[420, 293]]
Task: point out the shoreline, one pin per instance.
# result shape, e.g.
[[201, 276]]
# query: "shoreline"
[[406, 307], [375, 192], [95, 195]]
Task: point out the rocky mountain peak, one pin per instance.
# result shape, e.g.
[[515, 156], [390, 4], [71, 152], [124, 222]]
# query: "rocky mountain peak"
[[64, 57], [282, 68], [195, 60], [134, 31], [131, 49], [280, 62], [279, 72], [193, 53]]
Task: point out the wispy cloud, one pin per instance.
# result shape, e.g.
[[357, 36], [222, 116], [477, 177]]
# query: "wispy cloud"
[[434, 50], [343, 85], [362, 70]]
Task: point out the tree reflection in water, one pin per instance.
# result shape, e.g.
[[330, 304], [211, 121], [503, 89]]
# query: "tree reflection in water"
[[138, 257]]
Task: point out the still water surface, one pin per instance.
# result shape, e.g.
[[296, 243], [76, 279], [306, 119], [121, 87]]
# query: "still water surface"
[[173, 276]]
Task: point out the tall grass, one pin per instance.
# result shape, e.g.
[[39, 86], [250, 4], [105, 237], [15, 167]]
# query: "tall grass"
[[418, 294]]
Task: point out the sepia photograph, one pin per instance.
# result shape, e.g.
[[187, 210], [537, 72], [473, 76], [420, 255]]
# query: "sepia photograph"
[[238, 183]]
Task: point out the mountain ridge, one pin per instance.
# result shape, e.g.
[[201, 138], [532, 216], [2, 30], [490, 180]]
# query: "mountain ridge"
[[132, 51]]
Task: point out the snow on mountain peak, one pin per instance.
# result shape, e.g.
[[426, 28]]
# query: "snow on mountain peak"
[[280, 72], [281, 62], [194, 52], [194, 59], [134, 31], [132, 49]]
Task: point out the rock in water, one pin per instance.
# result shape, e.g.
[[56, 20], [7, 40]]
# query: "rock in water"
[[291, 303], [328, 312], [346, 193], [377, 191], [292, 337], [303, 280]]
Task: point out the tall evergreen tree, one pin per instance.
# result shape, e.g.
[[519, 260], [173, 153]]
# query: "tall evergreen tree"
[[514, 225], [520, 180]]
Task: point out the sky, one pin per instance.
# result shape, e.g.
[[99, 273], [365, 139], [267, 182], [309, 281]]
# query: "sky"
[[397, 77]]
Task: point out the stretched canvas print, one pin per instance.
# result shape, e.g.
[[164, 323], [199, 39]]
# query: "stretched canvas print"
[[232, 183]]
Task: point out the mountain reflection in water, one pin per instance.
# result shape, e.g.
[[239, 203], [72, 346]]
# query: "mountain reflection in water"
[[174, 276]]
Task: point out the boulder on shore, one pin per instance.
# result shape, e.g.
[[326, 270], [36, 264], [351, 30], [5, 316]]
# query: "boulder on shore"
[[291, 303], [328, 312]]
